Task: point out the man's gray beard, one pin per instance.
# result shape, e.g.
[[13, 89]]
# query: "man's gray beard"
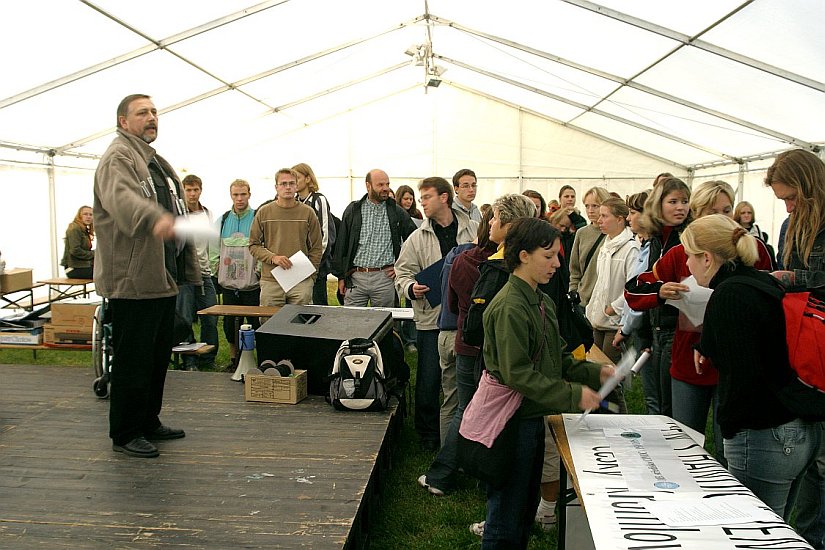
[[377, 197], [145, 137]]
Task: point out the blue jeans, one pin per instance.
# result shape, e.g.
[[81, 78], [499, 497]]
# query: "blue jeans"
[[810, 502], [656, 374], [190, 300], [442, 472], [691, 404], [428, 386], [772, 462], [511, 510]]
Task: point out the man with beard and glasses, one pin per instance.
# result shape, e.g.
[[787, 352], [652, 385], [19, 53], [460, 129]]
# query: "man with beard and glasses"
[[369, 241], [138, 266]]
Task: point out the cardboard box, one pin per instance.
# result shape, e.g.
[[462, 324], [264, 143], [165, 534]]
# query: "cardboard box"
[[14, 279], [31, 337], [61, 334], [276, 389], [75, 313]]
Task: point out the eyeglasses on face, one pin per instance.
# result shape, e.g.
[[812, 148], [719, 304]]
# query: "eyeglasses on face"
[[468, 186]]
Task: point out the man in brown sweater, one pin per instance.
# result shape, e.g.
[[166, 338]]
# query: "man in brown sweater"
[[279, 230]]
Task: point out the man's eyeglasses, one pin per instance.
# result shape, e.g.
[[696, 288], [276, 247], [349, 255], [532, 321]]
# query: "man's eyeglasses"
[[468, 186]]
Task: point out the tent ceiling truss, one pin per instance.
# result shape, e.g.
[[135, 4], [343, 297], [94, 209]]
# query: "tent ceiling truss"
[[429, 19]]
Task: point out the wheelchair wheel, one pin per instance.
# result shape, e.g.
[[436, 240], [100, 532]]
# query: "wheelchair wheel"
[[101, 353], [101, 387], [97, 342]]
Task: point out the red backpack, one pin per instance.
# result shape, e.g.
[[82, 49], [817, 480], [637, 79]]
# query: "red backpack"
[[805, 335]]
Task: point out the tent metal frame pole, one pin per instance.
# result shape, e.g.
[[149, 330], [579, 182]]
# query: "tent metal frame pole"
[[520, 150], [586, 108], [624, 82], [694, 41], [53, 239], [340, 87], [155, 45], [244, 81]]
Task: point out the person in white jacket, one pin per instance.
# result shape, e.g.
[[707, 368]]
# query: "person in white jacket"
[[615, 260]]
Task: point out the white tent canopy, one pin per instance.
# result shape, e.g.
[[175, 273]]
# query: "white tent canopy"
[[530, 95]]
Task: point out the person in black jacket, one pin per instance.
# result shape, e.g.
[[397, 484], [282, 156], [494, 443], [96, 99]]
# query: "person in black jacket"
[[768, 446], [372, 229]]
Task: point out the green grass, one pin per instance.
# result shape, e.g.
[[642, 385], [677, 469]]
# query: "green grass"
[[408, 516]]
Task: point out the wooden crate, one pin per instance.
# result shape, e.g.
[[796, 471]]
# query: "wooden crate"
[[276, 389]]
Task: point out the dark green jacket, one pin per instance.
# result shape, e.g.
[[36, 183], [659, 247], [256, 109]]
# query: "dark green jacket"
[[513, 331], [77, 249]]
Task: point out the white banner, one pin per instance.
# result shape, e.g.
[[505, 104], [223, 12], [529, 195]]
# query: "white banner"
[[624, 463]]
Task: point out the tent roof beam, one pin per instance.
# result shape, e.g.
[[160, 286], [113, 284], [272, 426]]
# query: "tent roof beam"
[[627, 82], [154, 45], [686, 40]]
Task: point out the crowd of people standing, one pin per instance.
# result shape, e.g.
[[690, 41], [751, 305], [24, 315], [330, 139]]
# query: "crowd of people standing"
[[621, 263]]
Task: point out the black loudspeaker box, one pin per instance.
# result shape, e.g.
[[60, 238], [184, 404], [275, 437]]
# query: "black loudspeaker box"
[[309, 336]]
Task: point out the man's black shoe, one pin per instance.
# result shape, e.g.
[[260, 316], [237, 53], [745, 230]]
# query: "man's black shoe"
[[164, 432], [138, 447]]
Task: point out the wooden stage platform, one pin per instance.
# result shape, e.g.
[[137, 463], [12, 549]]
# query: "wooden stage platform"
[[247, 475]]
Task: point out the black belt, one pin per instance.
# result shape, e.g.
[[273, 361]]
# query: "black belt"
[[372, 269]]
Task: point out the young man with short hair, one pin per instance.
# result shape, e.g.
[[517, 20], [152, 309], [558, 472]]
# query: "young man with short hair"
[[279, 230], [192, 298], [442, 229], [241, 285], [465, 187]]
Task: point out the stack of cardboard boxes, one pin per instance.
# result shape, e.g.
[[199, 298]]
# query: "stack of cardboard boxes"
[[19, 330], [72, 322]]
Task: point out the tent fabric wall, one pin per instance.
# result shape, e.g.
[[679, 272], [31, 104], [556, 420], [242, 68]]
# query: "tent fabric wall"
[[534, 96]]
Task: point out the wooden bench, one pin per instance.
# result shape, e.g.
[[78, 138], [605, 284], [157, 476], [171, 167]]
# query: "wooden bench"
[[27, 294], [239, 312], [200, 351], [58, 292]]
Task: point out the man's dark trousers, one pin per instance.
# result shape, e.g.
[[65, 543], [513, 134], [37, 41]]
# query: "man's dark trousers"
[[142, 347]]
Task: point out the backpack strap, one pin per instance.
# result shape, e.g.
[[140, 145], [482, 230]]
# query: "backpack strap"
[[775, 290], [223, 219], [592, 251]]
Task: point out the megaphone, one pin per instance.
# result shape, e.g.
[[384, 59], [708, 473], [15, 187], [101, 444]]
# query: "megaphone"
[[246, 339]]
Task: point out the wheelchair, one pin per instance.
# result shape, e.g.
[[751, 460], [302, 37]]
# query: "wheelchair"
[[102, 351]]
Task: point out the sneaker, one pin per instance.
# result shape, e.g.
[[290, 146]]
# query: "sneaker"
[[477, 528], [547, 521], [422, 481], [411, 348]]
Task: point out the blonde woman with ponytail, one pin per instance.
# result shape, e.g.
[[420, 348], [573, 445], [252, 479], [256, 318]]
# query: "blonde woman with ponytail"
[[767, 447]]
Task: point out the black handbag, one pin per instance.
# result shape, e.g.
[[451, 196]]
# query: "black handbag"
[[493, 465]]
